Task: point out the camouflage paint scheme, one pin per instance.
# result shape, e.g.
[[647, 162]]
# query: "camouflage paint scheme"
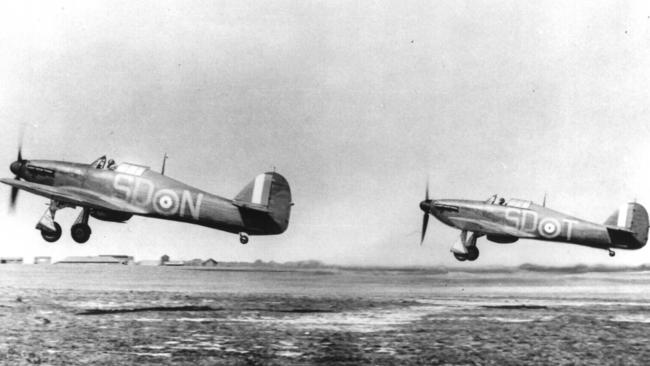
[[117, 192], [508, 222]]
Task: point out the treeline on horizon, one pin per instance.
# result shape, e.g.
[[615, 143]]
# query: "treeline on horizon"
[[528, 267]]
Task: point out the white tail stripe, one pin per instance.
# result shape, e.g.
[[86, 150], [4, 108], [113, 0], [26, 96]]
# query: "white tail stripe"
[[622, 216], [258, 189], [267, 189]]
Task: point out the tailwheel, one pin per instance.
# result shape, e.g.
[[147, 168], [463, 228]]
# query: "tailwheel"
[[51, 236], [472, 253], [460, 257], [243, 238], [612, 253], [80, 232]]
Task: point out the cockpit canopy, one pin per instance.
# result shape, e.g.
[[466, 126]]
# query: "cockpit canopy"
[[514, 202], [519, 203], [127, 168]]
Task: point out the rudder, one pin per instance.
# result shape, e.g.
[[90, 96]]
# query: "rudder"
[[268, 196], [632, 217]]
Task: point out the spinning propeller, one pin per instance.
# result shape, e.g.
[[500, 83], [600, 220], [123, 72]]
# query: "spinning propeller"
[[15, 168], [424, 205]]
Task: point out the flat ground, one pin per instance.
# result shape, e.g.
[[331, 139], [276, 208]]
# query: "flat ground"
[[120, 315]]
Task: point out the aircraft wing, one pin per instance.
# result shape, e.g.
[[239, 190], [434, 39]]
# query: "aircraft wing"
[[489, 227], [75, 196]]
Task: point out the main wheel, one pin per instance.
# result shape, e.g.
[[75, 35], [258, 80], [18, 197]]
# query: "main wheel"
[[243, 238], [460, 257], [80, 232], [52, 236], [472, 253]]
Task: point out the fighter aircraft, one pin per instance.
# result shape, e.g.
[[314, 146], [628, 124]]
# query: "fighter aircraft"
[[115, 192], [506, 222]]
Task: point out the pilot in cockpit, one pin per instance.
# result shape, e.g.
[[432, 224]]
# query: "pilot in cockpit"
[[99, 163], [493, 200], [111, 164]]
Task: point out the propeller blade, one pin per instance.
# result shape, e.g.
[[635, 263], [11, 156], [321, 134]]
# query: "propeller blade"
[[425, 223], [426, 191], [21, 136], [12, 201]]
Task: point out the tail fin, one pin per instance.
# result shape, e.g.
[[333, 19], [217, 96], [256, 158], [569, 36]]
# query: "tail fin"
[[631, 219], [265, 204]]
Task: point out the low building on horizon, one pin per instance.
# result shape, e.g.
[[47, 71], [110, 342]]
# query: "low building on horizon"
[[196, 262], [11, 260], [165, 261], [209, 263], [173, 263], [42, 260], [148, 262], [126, 259], [90, 260]]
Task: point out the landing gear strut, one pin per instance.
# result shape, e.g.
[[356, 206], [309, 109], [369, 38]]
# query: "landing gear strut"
[[50, 230], [612, 253], [80, 231], [243, 238]]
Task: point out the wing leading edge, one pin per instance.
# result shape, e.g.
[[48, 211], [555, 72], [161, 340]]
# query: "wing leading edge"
[[75, 196]]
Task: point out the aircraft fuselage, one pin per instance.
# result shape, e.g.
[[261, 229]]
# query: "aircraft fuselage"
[[149, 194], [506, 223]]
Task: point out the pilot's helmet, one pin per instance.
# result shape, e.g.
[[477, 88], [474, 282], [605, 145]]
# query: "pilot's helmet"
[[502, 201], [111, 162]]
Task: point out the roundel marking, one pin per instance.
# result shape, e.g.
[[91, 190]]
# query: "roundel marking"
[[166, 202], [549, 228]]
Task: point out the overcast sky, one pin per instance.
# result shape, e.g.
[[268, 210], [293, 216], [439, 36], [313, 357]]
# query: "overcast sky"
[[355, 103]]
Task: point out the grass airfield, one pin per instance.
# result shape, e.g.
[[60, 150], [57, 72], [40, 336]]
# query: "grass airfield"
[[108, 315]]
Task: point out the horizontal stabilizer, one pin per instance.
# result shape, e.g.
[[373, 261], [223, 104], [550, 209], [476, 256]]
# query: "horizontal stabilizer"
[[621, 236], [251, 206]]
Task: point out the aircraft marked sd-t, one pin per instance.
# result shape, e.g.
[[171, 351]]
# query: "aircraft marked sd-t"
[[507, 222]]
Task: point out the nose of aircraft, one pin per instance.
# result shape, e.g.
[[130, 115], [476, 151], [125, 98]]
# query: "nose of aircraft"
[[425, 206], [15, 167]]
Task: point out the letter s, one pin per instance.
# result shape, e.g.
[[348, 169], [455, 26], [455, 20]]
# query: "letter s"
[[125, 187], [515, 219]]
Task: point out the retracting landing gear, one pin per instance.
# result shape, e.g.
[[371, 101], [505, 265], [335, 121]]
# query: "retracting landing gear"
[[612, 253], [80, 231], [243, 238], [472, 253], [50, 230], [465, 249]]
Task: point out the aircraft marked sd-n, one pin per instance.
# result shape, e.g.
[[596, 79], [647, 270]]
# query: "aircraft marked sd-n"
[[506, 222], [111, 192]]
